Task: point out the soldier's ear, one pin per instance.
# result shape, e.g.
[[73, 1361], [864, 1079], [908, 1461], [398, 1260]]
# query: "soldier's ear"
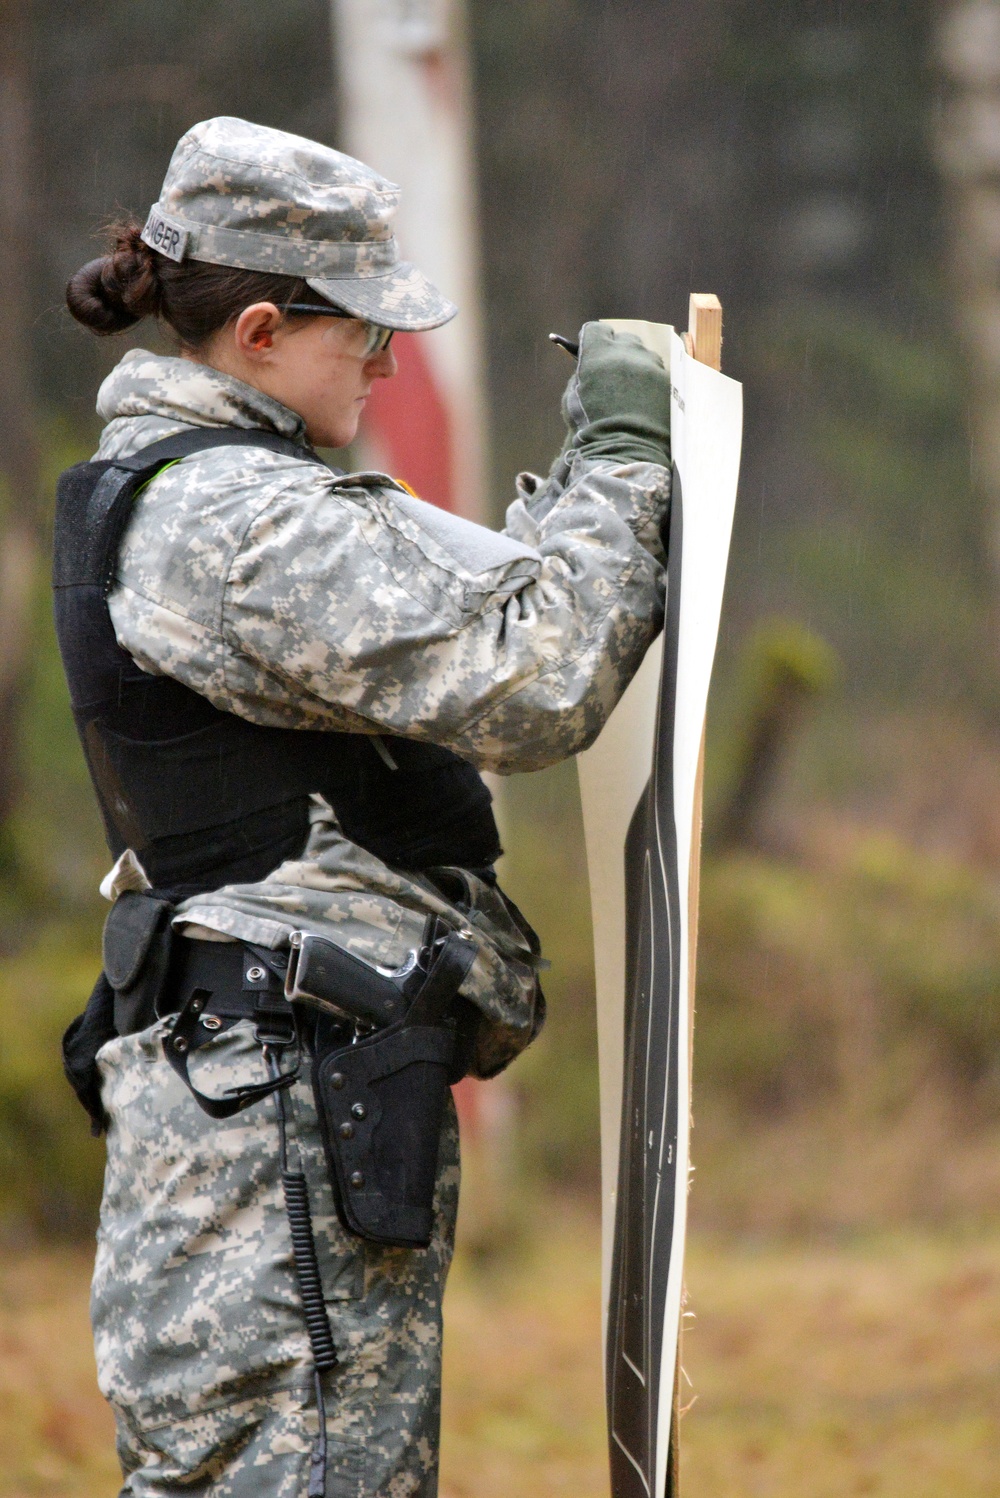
[[254, 330]]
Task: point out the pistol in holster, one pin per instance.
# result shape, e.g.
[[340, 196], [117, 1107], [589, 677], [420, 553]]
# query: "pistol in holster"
[[381, 1098], [382, 1058]]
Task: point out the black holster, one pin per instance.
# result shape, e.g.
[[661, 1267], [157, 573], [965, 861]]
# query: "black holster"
[[381, 1105]]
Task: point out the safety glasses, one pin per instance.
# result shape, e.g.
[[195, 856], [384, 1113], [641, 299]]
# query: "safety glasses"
[[377, 338]]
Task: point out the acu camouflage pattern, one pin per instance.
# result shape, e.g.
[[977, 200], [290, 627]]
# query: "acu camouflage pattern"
[[379, 914], [296, 598], [259, 199], [201, 1346], [300, 599], [291, 596]]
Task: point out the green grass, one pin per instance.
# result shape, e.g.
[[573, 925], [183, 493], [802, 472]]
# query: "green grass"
[[818, 1370], [50, 1167]]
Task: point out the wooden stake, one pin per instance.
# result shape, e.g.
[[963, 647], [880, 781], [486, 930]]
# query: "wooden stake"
[[704, 335], [703, 341]]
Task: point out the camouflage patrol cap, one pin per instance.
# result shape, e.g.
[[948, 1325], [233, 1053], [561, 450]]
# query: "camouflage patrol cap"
[[244, 195]]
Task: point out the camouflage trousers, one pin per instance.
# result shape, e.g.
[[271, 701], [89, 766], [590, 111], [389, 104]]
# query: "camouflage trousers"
[[201, 1345]]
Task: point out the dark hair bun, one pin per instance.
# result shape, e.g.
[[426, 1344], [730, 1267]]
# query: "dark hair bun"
[[117, 290]]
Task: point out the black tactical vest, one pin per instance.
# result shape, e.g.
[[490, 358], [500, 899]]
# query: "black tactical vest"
[[202, 796]]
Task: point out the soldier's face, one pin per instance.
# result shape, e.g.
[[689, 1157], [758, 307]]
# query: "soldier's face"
[[326, 372], [319, 367]]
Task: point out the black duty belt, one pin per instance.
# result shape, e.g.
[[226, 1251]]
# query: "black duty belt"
[[212, 986], [215, 984], [241, 983]]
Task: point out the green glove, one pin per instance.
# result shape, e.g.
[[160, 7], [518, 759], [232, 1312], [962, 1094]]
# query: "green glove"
[[617, 403]]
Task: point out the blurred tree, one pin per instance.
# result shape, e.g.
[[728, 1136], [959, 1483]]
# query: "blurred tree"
[[783, 668], [608, 148], [117, 83], [968, 141], [92, 101], [857, 514], [627, 153], [19, 496]]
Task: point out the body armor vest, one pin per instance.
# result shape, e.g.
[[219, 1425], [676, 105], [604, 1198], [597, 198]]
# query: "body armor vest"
[[202, 796]]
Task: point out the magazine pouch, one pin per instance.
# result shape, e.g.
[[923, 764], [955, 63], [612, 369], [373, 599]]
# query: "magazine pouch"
[[136, 946]]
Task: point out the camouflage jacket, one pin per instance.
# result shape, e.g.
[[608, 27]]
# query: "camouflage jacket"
[[297, 598]]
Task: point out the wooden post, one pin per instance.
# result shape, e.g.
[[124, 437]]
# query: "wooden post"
[[703, 341], [704, 334]]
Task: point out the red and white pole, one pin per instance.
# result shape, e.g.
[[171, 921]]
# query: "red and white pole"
[[405, 90], [406, 111]]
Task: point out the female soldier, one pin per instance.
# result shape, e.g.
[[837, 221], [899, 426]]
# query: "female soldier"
[[284, 678]]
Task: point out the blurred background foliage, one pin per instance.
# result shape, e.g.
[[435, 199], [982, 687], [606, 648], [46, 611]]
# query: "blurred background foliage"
[[787, 156]]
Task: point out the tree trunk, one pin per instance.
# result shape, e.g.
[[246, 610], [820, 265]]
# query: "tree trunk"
[[968, 150], [19, 512]]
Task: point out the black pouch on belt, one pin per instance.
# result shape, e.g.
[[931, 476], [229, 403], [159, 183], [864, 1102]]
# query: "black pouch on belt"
[[136, 947], [381, 1105]]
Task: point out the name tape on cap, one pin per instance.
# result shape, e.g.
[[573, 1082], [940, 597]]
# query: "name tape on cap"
[[166, 235]]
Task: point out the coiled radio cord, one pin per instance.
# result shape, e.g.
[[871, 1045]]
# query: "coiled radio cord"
[[297, 1205]]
